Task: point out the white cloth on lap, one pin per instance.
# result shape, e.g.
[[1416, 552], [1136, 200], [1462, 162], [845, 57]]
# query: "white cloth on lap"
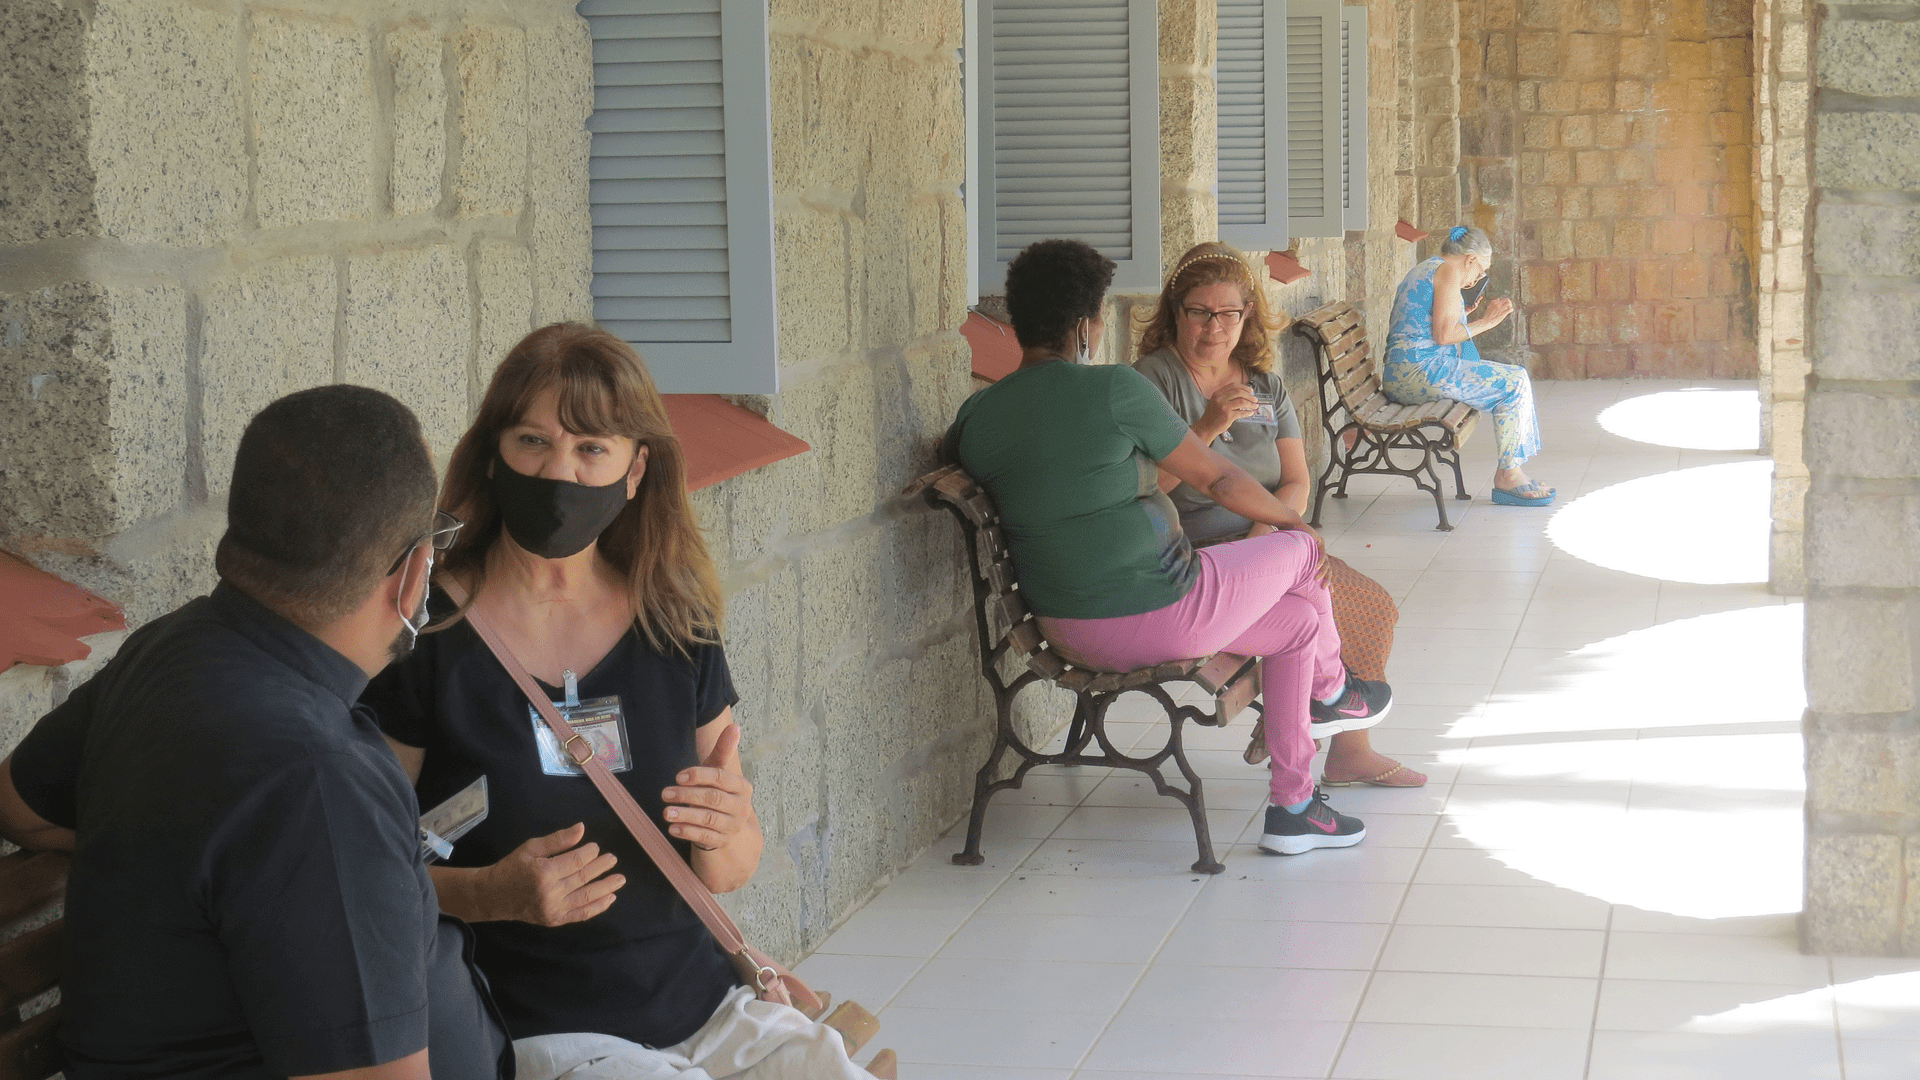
[[746, 1038]]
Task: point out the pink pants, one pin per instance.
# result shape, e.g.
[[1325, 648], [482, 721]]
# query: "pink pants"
[[1256, 597]]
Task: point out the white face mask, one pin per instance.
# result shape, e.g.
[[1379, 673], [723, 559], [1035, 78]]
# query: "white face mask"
[[419, 619]]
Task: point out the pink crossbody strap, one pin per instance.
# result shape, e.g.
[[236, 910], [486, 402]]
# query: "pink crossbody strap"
[[770, 981]]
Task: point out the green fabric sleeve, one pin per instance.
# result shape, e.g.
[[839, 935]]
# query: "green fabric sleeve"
[[1143, 414]]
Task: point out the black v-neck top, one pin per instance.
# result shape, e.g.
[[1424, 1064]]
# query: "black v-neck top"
[[247, 898], [645, 970]]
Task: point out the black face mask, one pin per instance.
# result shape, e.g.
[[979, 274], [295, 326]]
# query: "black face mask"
[[554, 518]]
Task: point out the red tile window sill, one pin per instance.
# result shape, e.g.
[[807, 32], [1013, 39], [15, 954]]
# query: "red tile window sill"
[[1285, 268], [721, 440], [43, 618], [996, 354]]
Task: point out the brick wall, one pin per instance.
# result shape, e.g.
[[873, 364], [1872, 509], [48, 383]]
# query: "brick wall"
[[1629, 212]]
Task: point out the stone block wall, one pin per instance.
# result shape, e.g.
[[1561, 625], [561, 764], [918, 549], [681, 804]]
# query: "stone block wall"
[[849, 624], [204, 206], [1189, 143], [1862, 446], [1780, 208], [1610, 151], [1430, 58], [1377, 259]]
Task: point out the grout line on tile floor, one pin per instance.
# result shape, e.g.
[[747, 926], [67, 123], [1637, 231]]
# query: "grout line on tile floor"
[[1599, 988], [1839, 1037]]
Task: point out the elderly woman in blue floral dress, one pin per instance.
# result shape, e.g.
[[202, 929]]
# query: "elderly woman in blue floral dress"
[[1431, 355]]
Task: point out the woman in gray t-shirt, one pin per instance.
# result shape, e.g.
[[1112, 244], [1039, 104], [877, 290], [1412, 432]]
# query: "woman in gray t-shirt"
[[1218, 373]]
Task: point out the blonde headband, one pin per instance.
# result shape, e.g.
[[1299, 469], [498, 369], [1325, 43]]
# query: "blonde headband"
[[1235, 259]]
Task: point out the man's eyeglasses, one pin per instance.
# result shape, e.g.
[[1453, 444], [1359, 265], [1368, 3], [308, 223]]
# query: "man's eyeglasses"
[[1229, 317], [445, 528]]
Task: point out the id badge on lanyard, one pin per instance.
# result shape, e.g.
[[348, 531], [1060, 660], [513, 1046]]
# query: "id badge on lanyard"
[[597, 720]]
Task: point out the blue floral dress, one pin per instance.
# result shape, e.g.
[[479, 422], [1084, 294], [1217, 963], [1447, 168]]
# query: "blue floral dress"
[[1420, 369]]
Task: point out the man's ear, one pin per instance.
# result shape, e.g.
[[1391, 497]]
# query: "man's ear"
[[637, 470], [403, 591]]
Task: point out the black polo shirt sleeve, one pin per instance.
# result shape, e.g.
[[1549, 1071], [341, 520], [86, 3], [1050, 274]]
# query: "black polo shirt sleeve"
[[713, 683], [315, 895], [46, 764]]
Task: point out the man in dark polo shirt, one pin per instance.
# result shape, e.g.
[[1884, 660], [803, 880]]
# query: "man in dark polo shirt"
[[248, 898]]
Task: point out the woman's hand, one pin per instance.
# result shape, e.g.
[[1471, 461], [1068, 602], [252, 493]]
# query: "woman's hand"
[[550, 880], [1231, 402], [1499, 308], [712, 803]]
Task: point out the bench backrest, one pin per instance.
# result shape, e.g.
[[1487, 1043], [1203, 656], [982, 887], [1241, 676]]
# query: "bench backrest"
[[1349, 377], [32, 957], [1008, 628]]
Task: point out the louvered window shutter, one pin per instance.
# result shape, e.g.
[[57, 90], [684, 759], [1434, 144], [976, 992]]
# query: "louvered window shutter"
[[1353, 117], [1313, 117], [1070, 132], [682, 190], [1251, 123]]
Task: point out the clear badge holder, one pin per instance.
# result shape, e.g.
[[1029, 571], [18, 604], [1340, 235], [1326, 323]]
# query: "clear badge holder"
[[599, 721], [453, 819]]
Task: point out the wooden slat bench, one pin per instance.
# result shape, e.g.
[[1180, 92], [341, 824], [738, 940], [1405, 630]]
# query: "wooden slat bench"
[[1009, 635], [1352, 402], [31, 883]]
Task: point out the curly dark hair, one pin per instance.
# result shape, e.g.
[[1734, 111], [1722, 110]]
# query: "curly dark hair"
[[1052, 285]]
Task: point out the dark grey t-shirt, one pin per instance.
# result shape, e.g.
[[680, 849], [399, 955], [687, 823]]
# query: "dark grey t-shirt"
[[1248, 443], [247, 898]]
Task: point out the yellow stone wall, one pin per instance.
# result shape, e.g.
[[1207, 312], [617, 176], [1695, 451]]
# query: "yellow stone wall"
[[1629, 211], [849, 625]]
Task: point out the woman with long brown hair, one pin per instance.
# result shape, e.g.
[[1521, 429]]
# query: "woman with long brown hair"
[[582, 551], [1208, 348]]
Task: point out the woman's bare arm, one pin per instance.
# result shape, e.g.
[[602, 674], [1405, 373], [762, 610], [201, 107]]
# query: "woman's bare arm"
[[411, 757], [1448, 329], [1229, 485], [1296, 484]]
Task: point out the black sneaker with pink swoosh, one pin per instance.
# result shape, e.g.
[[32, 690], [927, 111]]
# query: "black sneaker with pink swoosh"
[[1363, 704], [1317, 826]]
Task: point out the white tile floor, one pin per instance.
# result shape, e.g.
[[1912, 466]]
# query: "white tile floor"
[[1598, 882]]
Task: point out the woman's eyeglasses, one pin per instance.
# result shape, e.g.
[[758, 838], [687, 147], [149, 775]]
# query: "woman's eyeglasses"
[[1228, 317], [445, 528]]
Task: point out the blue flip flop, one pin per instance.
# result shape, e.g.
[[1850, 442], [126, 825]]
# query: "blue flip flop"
[[1528, 494]]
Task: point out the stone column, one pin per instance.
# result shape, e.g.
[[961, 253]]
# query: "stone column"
[[1189, 143], [1862, 445], [1780, 199], [1377, 259], [1487, 161], [1436, 117]]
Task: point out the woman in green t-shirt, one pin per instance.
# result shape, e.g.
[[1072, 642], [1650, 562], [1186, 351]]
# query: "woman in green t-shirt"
[[1218, 372], [1071, 453]]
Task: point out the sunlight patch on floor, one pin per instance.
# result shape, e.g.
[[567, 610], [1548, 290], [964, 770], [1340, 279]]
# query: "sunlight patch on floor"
[[1695, 419], [1670, 675], [1696, 823], [1707, 525]]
